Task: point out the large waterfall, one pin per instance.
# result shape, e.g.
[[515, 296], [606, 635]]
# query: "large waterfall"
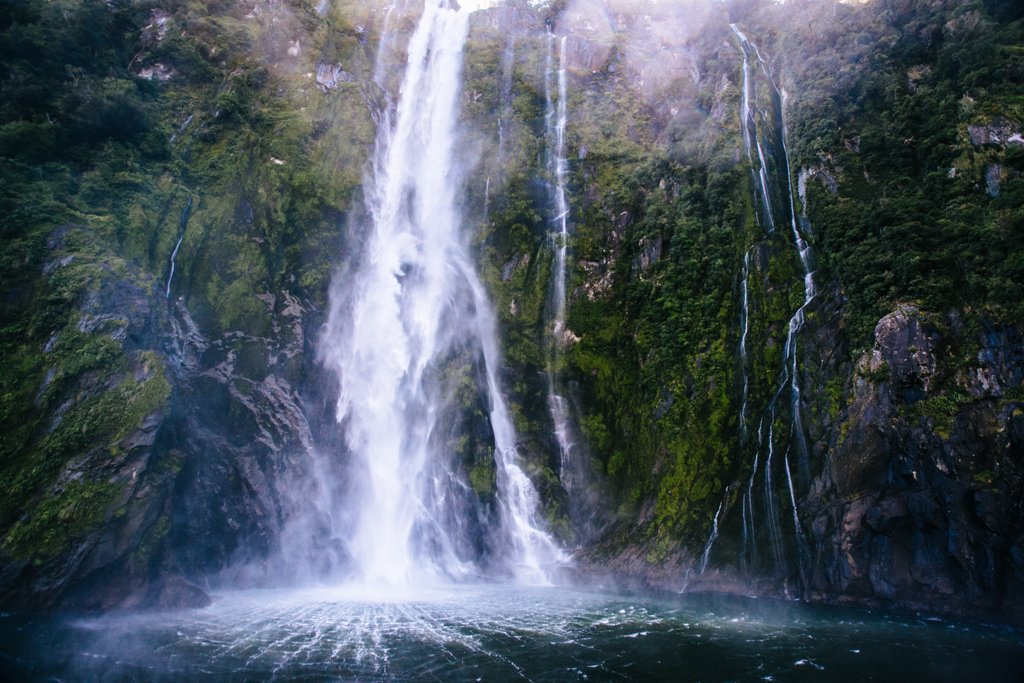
[[410, 305]]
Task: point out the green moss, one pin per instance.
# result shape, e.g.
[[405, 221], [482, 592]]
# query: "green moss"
[[940, 410], [985, 478], [1014, 394], [61, 520], [903, 226], [483, 479], [98, 421], [142, 399], [879, 374], [836, 397], [153, 539]]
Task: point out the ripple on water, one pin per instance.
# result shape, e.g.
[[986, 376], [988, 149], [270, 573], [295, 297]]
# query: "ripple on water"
[[488, 632]]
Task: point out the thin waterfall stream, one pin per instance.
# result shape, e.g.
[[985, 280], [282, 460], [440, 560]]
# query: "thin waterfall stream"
[[186, 213], [789, 372], [555, 122]]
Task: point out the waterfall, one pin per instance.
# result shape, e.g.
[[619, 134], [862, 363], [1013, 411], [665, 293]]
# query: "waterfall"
[[186, 213], [713, 536], [744, 329], [487, 197], [507, 64], [383, 47], [410, 304], [798, 319], [555, 119], [748, 551], [750, 138], [574, 472], [789, 373]]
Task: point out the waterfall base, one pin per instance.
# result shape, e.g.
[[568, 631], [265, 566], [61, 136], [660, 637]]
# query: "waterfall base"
[[488, 632]]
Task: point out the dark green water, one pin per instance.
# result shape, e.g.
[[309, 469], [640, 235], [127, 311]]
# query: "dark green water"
[[500, 633]]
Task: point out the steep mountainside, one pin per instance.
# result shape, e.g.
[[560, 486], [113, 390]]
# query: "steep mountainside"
[[792, 353]]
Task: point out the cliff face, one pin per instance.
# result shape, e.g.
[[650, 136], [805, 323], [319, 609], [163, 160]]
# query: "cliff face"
[[174, 189], [734, 453], [178, 197], [919, 500]]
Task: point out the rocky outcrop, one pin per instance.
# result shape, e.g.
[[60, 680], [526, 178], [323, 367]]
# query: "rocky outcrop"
[[330, 76], [919, 504], [87, 538], [591, 37], [191, 450], [998, 132], [241, 424], [916, 498]]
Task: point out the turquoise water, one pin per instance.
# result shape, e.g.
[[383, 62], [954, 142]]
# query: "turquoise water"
[[499, 633]]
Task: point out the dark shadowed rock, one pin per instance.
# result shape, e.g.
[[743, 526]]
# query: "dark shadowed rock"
[[919, 503]]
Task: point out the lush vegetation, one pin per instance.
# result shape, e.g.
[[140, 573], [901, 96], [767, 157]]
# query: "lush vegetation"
[[128, 126], [889, 93], [878, 115], [124, 128]]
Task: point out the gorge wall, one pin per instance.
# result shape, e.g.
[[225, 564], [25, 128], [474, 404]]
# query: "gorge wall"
[[180, 182]]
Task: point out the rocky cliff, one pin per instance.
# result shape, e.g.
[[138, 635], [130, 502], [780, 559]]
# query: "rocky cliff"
[[178, 184]]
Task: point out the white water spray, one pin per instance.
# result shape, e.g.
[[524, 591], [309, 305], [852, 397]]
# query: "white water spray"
[[744, 329], [412, 303], [713, 536]]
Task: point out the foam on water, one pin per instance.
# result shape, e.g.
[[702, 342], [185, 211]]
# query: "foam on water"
[[489, 632]]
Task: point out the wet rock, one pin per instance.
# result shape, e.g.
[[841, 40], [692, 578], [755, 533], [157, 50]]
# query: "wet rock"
[[993, 175], [921, 491], [157, 72], [590, 36], [999, 132], [650, 252], [330, 76], [514, 265], [199, 482]]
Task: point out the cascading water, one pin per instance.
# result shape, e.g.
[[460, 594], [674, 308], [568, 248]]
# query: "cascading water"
[[797, 322], [744, 330], [186, 213], [507, 63], [555, 119], [750, 138], [789, 375], [382, 46], [412, 303]]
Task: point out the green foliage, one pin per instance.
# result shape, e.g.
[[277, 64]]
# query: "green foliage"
[[836, 398], [483, 478], [153, 539], [99, 421], [940, 410], [236, 151], [61, 520], [879, 374], [887, 95], [656, 353], [269, 166]]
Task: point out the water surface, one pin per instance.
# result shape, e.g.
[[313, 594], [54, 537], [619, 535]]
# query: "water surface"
[[497, 633]]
